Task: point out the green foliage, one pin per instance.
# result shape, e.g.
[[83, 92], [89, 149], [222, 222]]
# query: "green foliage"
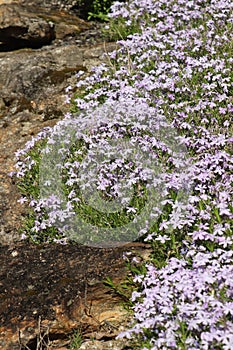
[[76, 340], [118, 30], [93, 9], [124, 289], [100, 9]]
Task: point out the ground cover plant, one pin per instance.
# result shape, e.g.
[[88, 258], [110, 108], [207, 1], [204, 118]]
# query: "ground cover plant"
[[166, 98], [92, 9]]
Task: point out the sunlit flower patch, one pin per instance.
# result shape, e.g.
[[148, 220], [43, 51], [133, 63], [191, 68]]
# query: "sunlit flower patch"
[[175, 66]]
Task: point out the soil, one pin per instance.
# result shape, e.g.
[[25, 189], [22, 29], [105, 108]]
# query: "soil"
[[62, 286]]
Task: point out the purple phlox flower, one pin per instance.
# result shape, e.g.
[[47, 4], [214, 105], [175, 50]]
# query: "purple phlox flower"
[[22, 200]]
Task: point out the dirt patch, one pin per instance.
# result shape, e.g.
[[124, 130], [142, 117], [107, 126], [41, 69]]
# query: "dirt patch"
[[62, 286]]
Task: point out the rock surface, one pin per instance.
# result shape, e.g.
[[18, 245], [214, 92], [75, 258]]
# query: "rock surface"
[[51, 290], [19, 29]]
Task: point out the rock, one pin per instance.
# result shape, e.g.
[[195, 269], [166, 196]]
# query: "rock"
[[107, 345], [55, 4], [2, 104], [29, 77], [24, 24], [20, 29], [8, 2], [52, 290]]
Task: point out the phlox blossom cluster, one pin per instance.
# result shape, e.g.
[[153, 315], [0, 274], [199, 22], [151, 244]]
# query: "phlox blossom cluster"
[[177, 68]]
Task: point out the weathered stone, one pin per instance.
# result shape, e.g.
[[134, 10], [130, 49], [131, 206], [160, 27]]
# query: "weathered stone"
[[59, 289], [107, 345], [54, 4], [24, 24], [8, 2], [28, 77], [65, 24], [2, 104], [19, 29]]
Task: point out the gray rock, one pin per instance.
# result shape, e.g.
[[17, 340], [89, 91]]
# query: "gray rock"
[[19, 28], [36, 79], [29, 77]]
